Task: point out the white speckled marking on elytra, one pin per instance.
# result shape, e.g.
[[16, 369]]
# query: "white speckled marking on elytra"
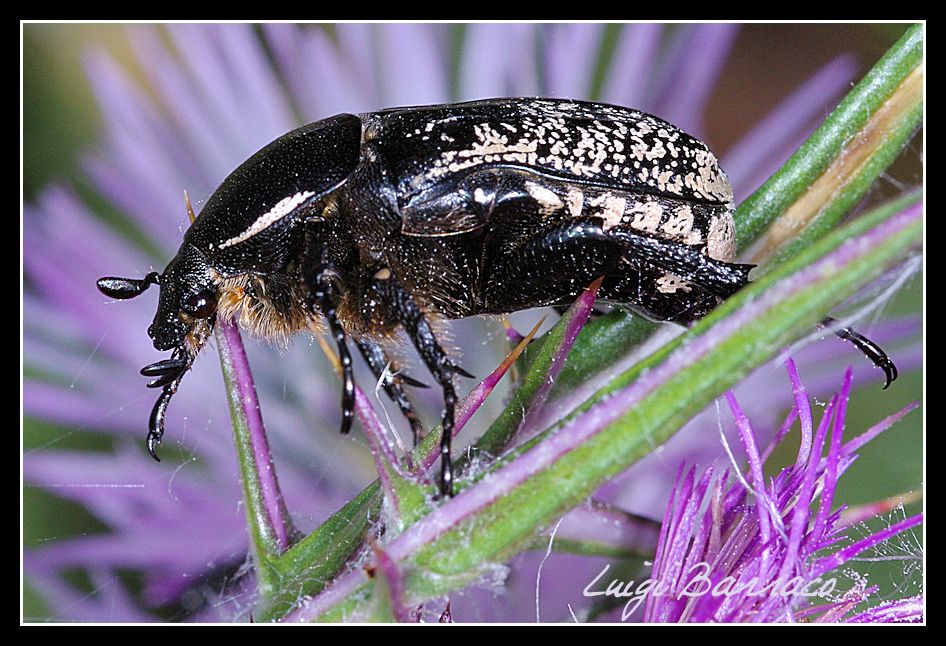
[[680, 223], [282, 208], [610, 208], [575, 200], [671, 284], [592, 141], [721, 239], [548, 201], [647, 215]]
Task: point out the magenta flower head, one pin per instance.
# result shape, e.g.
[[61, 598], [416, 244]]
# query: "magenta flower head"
[[738, 547], [351, 528]]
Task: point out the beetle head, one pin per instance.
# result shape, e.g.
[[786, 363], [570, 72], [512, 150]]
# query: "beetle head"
[[186, 313], [187, 304]]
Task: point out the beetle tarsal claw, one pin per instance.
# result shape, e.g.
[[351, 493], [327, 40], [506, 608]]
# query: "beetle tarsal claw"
[[154, 439], [870, 349]]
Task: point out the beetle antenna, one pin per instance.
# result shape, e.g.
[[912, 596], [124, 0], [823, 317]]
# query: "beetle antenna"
[[123, 288]]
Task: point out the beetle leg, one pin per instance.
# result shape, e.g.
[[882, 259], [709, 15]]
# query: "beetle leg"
[[715, 276], [156, 421], [324, 293], [412, 318], [870, 349], [553, 267], [169, 373], [393, 384]]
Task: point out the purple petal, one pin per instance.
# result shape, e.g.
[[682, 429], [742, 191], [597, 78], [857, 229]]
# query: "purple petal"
[[200, 131], [909, 610], [696, 60], [842, 556], [804, 413], [570, 52], [755, 464], [497, 61], [206, 63], [834, 453], [358, 45], [310, 63], [154, 177], [410, 62], [631, 68]]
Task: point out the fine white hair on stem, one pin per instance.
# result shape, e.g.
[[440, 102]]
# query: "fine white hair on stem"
[[538, 574], [387, 372]]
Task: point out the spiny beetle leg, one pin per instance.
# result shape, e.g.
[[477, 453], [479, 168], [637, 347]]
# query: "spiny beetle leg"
[[870, 349], [720, 278], [440, 365], [325, 293], [410, 381], [393, 384]]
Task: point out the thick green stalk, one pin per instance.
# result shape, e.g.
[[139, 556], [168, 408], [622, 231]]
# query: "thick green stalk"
[[267, 518], [834, 168]]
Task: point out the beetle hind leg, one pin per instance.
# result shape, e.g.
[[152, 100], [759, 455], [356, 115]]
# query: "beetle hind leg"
[[662, 279], [686, 262], [870, 349], [655, 293], [552, 267], [393, 384]]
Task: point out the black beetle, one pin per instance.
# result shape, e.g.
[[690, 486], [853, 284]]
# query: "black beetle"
[[391, 219]]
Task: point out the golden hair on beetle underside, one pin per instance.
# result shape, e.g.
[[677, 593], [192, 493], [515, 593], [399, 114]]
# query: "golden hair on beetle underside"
[[258, 315]]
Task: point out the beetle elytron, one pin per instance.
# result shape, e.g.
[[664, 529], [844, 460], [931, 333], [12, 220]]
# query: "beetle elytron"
[[391, 219]]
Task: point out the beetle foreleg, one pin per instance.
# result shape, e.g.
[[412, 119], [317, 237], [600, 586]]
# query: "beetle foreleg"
[[324, 293], [169, 373], [393, 384]]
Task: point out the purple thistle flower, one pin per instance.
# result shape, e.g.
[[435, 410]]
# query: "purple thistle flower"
[[722, 558], [222, 92]]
